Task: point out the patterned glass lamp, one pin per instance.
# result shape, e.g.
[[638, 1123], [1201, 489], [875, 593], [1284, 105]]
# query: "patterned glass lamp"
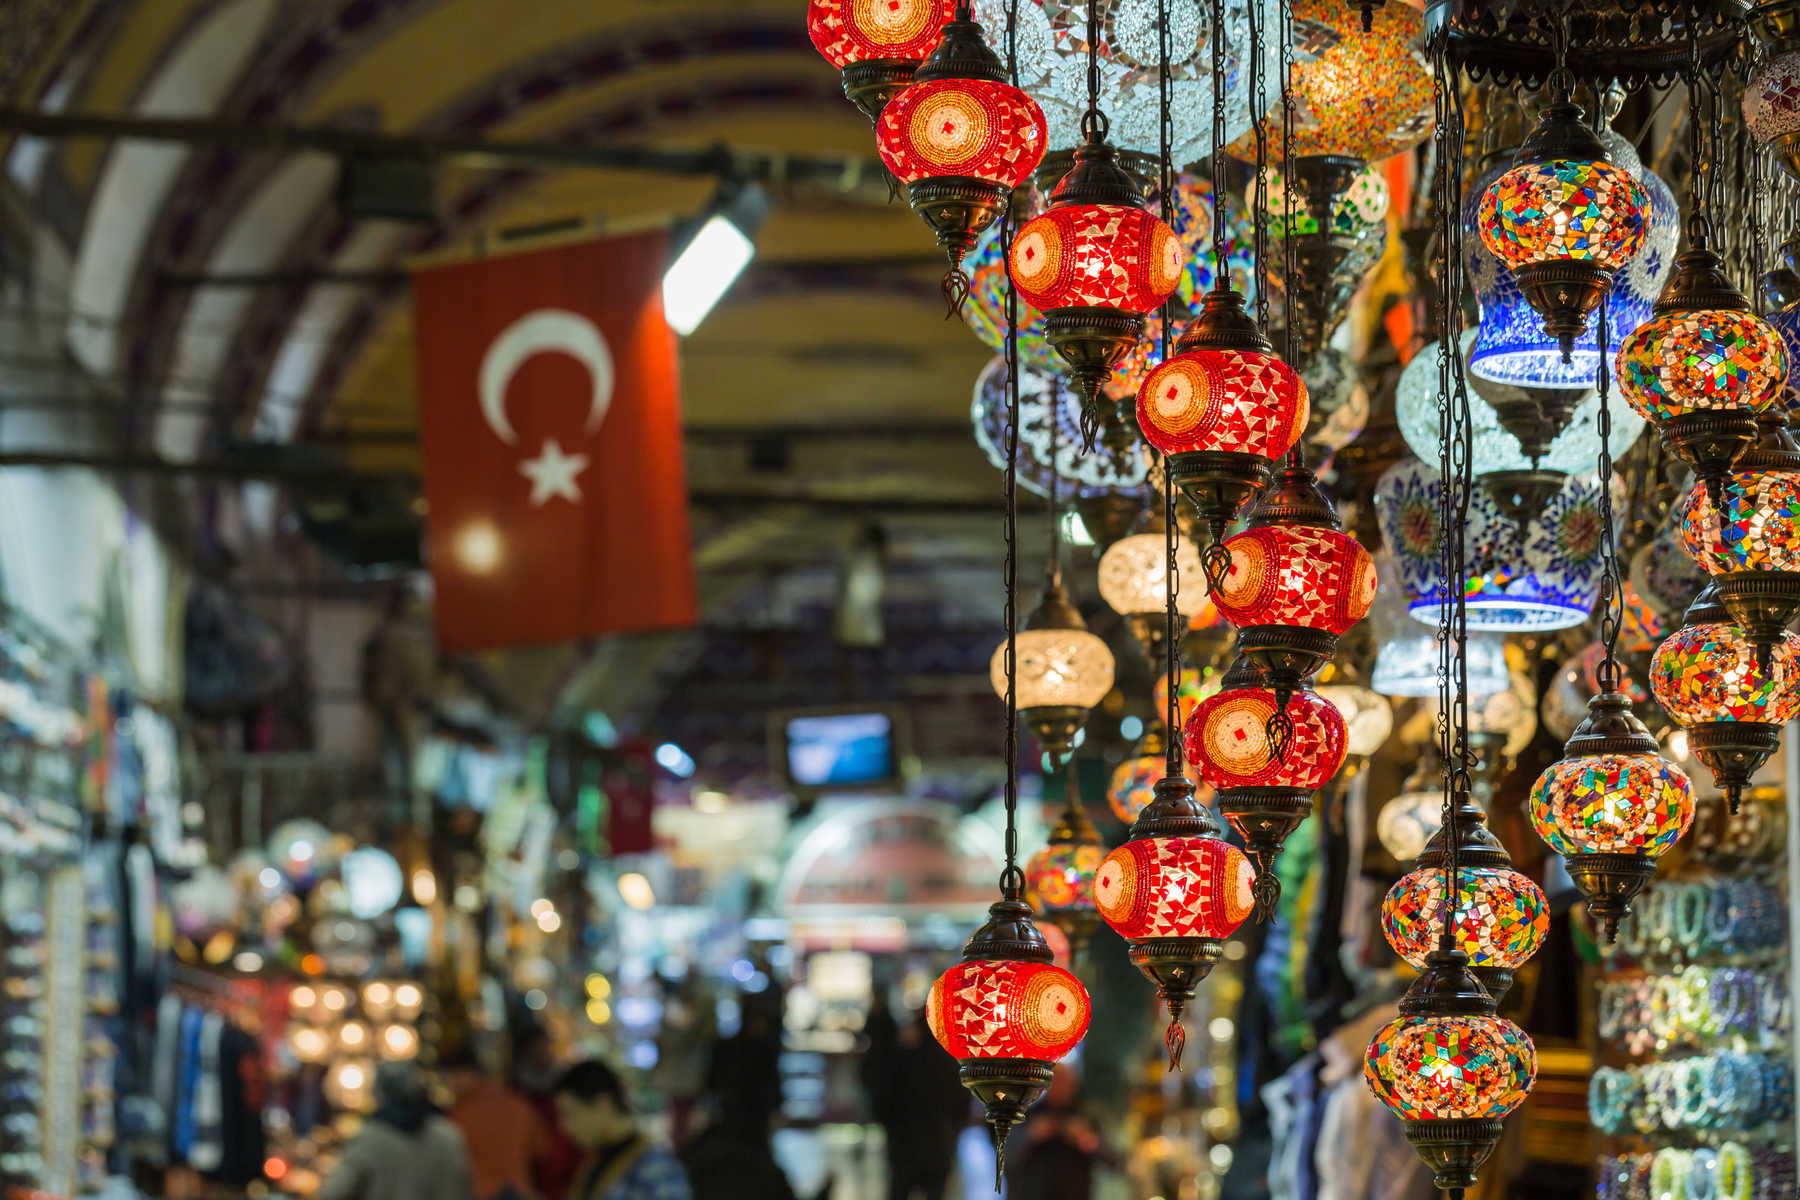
[[1772, 93], [1133, 578], [1501, 915], [960, 139], [1050, 443], [1706, 678], [1406, 822], [1133, 783], [877, 44], [1511, 346], [1747, 537], [1611, 807], [1059, 879], [1265, 797], [1175, 891], [1063, 670]]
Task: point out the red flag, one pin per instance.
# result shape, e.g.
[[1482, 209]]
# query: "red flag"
[[551, 430]]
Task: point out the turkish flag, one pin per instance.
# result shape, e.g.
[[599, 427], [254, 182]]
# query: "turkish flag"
[[551, 428]]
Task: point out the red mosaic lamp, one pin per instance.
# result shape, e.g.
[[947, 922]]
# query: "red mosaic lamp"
[[1747, 537], [1295, 582], [1175, 891], [1563, 219], [960, 139], [1706, 677], [1007, 1015], [1264, 796], [1223, 410], [1611, 807], [876, 44]]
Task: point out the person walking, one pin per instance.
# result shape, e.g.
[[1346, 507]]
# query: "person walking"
[[622, 1163], [405, 1150], [506, 1139]]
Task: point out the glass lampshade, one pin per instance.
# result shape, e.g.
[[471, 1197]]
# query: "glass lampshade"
[[1772, 98], [1133, 576], [1511, 345], [1545, 576], [1358, 212], [1043, 399], [1234, 400], [1501, 916], [1226, 738], [1702, 360], [1060, 877], [1564, 209], [1406, 822], [1361, 95], [1406, 653], [1133, 784], [1304, 576], [998, 1008], [1172, 887], [1757, 527], [1443, 1068], [1368, 717], [1057, 668], [1575, 450], [851, 31], [1096, 256], [963, 128], [1052, 56], [1612, 804], [1708, 672]]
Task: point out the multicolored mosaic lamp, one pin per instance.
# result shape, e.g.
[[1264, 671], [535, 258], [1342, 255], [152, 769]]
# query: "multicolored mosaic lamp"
[[1094, 263], [1501, 915], [1059, 879], [1133, 783], [1295, 583], [1706, 677], [1703, 367], [1450, 1069], [1611, 807], [1265, 797], [1361, 94], [961, 138], [1511, 347], [1175, 891], [877, 44], [1746, 534], [1223, 410], [1563, 219], [1007, 1015]]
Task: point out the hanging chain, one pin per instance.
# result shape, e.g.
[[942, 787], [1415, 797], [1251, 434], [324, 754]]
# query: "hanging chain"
[[1259, 201], [1094, 125], [1053, 569], [1759, 219], [1172, 764], [1012, 879], [1612, 582], [1699, 218], [1222, 274], [1287, 193]]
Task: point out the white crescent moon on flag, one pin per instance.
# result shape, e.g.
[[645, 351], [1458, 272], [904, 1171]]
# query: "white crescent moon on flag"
[[539, 332]]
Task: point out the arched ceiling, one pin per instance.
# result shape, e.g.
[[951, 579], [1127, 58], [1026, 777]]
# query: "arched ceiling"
[[325, 353]]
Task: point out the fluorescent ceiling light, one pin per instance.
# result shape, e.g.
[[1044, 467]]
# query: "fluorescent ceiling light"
[[703, 272]]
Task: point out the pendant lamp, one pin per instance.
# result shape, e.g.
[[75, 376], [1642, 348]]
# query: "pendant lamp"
[[1059, 879], [1133, 579], [960, 139], [877, 44], [1707, 679]]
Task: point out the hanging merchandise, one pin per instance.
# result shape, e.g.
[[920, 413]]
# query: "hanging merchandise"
[[1707, 678], [1133, 783], [877, 46], [1263, 795], [1059, 879], [1745, 532], [1771, 104], [1407, 822], [1097, 260], [961, 139], [1133, 580]]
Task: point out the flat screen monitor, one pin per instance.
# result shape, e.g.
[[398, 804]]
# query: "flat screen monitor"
[[840, 750]]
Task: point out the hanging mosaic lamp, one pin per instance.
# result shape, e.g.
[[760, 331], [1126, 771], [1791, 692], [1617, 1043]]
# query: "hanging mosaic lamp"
[[1050, 448], [1295, 582], [1059, 879], [1133, 783], [1511, 346], [1405, 824], [1338, 234], [960, 139], [1094, 263], [1450, 1069], [1501, 915], [1265, 797], [1007, 1015], [1747, 537], [1175, 891], [1063, 670], [877, 44], [1611, 807], [1707, 679], [1772, 92], [1703, 367], [1368, 716], [1563, 219], [1360, 93], [1133, 579]]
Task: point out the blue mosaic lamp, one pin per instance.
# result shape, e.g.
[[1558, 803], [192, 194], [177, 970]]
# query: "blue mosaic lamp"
[[1511, 346], [1044, 399], [1544, 574]]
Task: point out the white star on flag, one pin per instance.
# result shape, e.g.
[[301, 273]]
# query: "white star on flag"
[[552, 473]]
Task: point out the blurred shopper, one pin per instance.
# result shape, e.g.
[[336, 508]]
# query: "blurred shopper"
[[1062, 1147], [405, 1151], [725, 1162], [506, 1138], [681, 1062], [622, 1164], [535, 1073], [918, 1100], [744, 1077]]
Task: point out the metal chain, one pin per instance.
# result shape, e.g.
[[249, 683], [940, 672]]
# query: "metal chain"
[[1287, 193], [1012, 879], [1220, 266], [1093, 122], [1612, 581], [1259, 202]]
